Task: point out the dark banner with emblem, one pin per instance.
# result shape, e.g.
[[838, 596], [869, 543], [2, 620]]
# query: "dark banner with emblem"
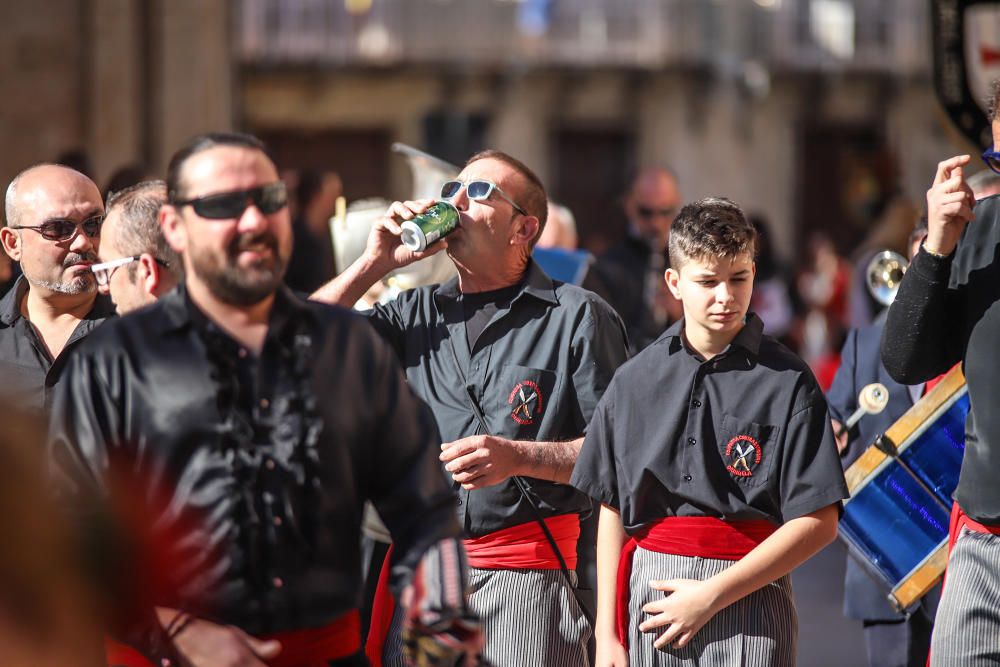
[[966, 60]]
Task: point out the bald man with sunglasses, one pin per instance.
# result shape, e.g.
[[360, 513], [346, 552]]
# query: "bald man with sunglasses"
[[53, 224], [512, 364]]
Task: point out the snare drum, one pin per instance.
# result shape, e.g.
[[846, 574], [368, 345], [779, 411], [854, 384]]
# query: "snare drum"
[[896, 520]]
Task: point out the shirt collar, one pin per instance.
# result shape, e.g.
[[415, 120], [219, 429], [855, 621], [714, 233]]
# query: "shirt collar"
[[534, 281], [10, 305], [749, 337], [181, 311]]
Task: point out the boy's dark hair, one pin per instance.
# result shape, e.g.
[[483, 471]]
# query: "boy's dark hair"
[[711, 228], [203, 142]]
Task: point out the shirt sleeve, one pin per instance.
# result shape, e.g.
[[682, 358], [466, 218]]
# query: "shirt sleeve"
[[599, 348], [408, 485], [924, 335], [595, 472], [389, 321], [811, 475]]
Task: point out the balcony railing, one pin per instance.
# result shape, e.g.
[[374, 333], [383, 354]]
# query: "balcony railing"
[[879, 35]]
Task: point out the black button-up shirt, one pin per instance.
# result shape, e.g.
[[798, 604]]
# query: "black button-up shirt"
[[536, 372], [948, 310], [28, 370], [254, 469], [744, 435]]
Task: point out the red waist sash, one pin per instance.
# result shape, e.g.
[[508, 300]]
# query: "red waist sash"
[[123, 655], [315, 647], [525, 547], [703, 536]]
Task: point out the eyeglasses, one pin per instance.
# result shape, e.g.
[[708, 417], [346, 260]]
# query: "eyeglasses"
[[268, 199], [649, 212], [992, 159], [104, 270], [61, 229], [477, 191]]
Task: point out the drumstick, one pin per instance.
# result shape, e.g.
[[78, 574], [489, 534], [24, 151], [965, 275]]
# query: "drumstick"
[[871, 401]]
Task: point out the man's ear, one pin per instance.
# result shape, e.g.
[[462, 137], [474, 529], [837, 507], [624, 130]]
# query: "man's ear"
[[672, 276], [526, 232], [173, 227], [11, 243], [148, 273]]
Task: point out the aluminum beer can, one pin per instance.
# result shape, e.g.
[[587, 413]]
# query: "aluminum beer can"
[[436, 222]]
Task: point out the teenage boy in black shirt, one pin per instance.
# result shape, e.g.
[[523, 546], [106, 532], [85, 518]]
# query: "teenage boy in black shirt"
[[725, 483]]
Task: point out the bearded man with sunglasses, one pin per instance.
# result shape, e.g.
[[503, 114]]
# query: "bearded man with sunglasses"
[[254, 426], [53, 225], [512, 364]]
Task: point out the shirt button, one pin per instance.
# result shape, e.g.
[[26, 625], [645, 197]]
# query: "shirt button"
[[264, 403], [166, 662], [242, 353], [269, 464], [696, 403], [278, 582], [687, 478], [277, 521], [692, 441]]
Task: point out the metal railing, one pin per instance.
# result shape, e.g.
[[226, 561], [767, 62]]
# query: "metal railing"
[[887, 35]]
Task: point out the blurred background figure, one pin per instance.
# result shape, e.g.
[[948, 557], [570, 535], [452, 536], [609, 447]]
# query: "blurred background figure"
[[312, 257], [560, 229], [823, 284], [891, 230], [631, 271], [772, 293], [985, 183], [49, 605]]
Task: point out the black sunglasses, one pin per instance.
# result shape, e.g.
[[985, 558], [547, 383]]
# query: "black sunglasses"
[[268, 199], [61, 229], [648, 212]]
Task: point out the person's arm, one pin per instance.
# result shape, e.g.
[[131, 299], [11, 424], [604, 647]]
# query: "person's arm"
[[690, 603], [479, 461], [383, 253], [610, 539], [206, 644], [924, 332], [842, 397]]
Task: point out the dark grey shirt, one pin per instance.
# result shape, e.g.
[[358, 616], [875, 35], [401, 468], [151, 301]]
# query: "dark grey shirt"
[[744, 435], [28, 371], [536, 372]]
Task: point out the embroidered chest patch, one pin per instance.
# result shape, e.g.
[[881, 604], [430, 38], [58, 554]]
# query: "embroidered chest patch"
[[525, 400], [743, 455]]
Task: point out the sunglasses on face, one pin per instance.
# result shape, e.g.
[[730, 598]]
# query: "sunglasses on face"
[[477, 190], [992, 160], [104, 270], [60, 229], [268, 199], [649, 212]]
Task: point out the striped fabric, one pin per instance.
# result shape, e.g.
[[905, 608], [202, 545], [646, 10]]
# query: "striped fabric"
[[761, 629], [967, 627], [530, 618]]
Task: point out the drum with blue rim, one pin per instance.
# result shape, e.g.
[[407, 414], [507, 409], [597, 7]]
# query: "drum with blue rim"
[[896, 520]]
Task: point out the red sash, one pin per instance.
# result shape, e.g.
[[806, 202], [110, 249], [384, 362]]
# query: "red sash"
[[525, 547], [703, 536], [123, 655], [315, 647]]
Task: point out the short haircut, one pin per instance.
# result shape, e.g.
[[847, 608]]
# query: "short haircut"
[[199, 144], [11, 212], [533, 199], [983, 180], [140, 231], [708, 229]]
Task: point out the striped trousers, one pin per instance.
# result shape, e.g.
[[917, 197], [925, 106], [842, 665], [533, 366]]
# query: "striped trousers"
[[967, 627], [530, 618], [761, 629]]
